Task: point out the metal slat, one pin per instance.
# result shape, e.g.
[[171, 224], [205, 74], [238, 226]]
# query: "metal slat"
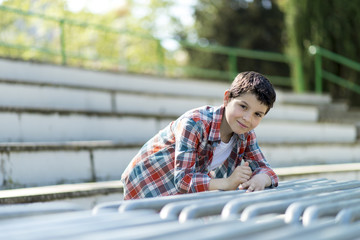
[[227, 229], [323, 231], [295, 210], [106, 207], [52, 227], [294, 232], [262, 208], [313, 213], [348, 215], [22, 210], [234, 207], [215, 206], [158, 202], [298, 209]]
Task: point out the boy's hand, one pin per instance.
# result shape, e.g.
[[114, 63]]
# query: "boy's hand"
[[257, 183], [240, 175]]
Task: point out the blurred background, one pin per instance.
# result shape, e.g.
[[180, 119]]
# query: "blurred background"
[[85, 83], [192, 38]]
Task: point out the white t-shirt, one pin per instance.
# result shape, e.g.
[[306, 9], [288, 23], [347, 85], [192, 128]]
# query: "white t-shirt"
[[221, 153]]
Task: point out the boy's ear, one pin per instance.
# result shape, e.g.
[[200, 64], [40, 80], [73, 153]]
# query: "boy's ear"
[[226, 97]]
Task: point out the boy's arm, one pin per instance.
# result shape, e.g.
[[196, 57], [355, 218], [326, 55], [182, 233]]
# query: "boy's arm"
[[259, 164], [188, 135]]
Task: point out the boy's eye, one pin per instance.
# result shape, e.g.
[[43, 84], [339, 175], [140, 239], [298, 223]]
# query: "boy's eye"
[[242, 106], [259, 115]]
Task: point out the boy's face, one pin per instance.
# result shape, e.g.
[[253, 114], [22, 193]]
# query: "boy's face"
[[243, 113]]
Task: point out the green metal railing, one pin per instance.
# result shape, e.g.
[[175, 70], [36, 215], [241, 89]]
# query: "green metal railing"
[[162, 63], [233, 53], [320, 74], [63, 52]]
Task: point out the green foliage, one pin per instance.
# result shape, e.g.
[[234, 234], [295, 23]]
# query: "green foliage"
[[28, 30], [255, 25], [331, 25], [56, 35], [51, 33]]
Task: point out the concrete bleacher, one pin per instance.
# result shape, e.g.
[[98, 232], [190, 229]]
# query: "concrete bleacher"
[[66, 125]]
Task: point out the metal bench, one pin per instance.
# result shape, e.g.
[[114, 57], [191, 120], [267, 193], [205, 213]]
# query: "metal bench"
[[297, 209]]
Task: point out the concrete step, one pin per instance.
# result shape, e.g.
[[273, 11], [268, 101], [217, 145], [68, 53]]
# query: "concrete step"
[[97, 100], [110, 101], [57, 192], [337, 172], [303, 99], [39, 164], [58, 76], [80, 78], [290, 155], [340, 114], [23, 125], [301, 132], [36, 125]]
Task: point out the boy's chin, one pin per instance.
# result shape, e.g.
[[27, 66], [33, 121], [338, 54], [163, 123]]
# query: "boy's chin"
[[241, 132]]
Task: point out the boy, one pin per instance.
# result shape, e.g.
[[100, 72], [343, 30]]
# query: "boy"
[[203, 149]]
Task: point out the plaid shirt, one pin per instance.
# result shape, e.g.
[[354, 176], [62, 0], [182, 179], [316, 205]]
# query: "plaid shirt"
[[176, 160]]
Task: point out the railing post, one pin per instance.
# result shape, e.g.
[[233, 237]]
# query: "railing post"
[[318, 68], [232, 67], [318, 74], [299, 83], [62, 42]]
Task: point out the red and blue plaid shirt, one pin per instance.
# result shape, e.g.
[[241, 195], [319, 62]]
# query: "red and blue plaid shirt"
[[176, 160]]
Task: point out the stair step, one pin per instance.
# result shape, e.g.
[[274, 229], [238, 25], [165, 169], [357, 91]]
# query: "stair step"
[[337, 172], [27, 165], [65, 98], [51, 75], [288, 155], [293, 113], [76, 162], [70, 126], [303, 99], [62, 191], [42, 126], [301, 132], [80, 78], [109, 101]]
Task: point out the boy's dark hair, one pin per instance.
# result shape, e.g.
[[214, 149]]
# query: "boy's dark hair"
[[253, 82]]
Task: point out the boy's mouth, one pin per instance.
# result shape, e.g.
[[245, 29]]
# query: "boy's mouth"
[[242, 125]]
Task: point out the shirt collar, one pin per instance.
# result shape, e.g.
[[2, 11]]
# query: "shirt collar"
[[214, 134]]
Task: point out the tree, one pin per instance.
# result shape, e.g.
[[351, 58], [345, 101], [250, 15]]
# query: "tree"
[[255, 25], [116, 40], [20, 31], [331, 25]]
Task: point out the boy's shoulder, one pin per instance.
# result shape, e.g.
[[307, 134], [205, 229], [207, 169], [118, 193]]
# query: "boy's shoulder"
[[204, 113]]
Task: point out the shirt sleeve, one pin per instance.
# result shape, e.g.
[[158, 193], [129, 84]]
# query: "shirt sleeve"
[[188, 135], [258, 161]]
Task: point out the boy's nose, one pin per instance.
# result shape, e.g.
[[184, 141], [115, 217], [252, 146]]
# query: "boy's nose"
[[247, 117]]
